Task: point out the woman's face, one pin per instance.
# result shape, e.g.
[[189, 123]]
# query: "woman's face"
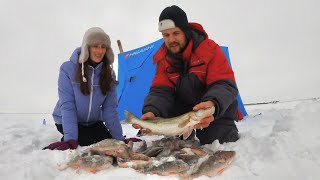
[[97, 52]]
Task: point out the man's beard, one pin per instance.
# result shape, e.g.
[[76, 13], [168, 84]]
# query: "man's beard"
[[175, 45]]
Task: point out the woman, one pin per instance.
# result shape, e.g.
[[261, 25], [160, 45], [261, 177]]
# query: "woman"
[[86, 111]]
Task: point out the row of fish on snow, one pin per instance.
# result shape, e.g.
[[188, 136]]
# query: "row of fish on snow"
[[167, 156]]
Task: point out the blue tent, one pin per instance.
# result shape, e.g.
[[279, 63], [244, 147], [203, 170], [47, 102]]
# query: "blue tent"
[[135, 74]]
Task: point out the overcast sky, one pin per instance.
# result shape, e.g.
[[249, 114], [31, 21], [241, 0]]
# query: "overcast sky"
[[273, 44]]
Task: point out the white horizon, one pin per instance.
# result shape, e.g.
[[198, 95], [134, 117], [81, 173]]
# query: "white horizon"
[[273, 44]]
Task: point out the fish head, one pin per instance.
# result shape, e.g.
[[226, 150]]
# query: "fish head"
[[202, 113], [225, 156], [171, 142]]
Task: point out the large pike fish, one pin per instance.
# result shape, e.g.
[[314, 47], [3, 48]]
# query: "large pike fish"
[[180, 125]]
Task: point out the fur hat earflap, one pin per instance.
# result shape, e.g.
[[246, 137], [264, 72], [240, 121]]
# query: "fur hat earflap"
[[92, 37]]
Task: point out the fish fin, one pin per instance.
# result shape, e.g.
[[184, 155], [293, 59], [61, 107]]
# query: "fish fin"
[[63, 167], [183, 124], [130, 145], [186, 134], [220, 171], [199, 151], [142, 147], [93, 170]]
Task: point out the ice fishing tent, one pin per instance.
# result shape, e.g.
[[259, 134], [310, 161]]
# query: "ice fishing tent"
[[135, 73]]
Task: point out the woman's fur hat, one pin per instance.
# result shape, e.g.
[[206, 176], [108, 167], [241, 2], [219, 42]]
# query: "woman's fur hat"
[[92, 37]]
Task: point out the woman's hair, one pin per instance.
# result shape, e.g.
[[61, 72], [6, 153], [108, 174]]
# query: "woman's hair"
[[105, 77]]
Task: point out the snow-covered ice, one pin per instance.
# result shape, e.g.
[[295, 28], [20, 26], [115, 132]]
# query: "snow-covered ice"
[[277, 141]]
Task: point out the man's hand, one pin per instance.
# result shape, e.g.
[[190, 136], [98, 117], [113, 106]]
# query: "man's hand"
[[205, 122], [146, 116]]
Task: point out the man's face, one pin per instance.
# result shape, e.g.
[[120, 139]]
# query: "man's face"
[[174, 39]]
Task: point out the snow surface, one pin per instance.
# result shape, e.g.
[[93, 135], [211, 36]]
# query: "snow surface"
[[277, 141]]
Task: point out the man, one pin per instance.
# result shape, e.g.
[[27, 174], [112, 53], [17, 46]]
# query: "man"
[[192, 74]]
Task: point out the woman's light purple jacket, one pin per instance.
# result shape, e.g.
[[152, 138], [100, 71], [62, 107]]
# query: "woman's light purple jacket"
[[73, 107]]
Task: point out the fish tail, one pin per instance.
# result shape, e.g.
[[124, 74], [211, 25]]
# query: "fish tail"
[[129, 117]]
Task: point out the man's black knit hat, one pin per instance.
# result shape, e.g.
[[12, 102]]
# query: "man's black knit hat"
[[173, 16]]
